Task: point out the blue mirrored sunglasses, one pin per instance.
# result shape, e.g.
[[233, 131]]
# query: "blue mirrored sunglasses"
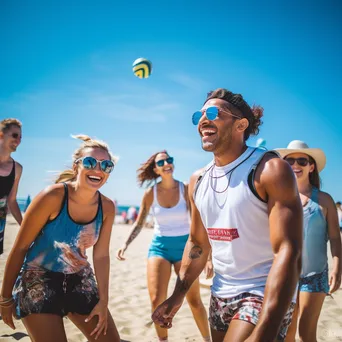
[[211, 113], [90, 163]]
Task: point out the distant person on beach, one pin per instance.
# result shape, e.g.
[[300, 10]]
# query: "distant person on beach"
[[245, 205], [132, 215], [47, 271], [320, 225], [124, 216], [28, 202], [10, 173], [168, 200]]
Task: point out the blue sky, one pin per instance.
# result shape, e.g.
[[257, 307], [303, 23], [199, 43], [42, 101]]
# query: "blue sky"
[[66, 68]]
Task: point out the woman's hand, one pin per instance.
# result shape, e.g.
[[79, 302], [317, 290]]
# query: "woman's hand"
[[334, 281], [7, 313], [120, 253], [100, 310], [209, 270]]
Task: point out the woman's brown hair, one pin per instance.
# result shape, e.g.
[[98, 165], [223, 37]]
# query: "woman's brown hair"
[[314, 178], [145, 173]]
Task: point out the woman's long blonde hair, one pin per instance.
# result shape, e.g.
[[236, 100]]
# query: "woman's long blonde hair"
[[88, 142]]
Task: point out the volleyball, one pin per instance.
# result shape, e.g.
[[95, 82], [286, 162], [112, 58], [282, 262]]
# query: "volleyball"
[[142, 68]]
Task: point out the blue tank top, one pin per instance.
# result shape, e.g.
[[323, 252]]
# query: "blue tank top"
[[61, 244], [315, 251]]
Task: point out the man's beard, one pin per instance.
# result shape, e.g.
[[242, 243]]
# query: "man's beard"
[[220, 145]]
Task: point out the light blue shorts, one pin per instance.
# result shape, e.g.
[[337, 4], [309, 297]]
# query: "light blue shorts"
[[170, 248], [316, 283]]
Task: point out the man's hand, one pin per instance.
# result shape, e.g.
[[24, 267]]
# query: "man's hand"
[[165, 312]]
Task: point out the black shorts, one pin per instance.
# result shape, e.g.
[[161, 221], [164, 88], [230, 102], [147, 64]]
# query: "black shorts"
[[41, 291]]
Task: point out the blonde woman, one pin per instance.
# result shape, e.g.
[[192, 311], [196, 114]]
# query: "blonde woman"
[[169, 203], [47, 271], [320, 225]]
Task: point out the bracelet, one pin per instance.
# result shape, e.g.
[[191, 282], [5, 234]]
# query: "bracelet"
[[9, 304], [6, 300]]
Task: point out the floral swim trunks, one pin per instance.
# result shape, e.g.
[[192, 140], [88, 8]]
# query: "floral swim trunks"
[[42, 291], [245, 307]]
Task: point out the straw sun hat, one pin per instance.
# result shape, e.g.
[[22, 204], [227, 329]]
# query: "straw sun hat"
[[297, 146]]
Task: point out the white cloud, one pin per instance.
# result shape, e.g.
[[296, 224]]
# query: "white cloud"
[[188, 81], [147, 106]]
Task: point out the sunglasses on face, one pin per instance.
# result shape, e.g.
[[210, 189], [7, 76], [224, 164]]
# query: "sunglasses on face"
[[90, 163], [16, 135], [300, 161], [161, 162], [211, 113]]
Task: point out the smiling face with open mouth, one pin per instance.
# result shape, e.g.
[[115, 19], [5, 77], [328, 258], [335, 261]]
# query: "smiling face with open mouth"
[[164, 165], [218, 133], [93, 178], [300, 165], [12, 138]]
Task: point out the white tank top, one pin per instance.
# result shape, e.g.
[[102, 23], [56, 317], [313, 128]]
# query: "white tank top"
[[173, 221], [237, 224]]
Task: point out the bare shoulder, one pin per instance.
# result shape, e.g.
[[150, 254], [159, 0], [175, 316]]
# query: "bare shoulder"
[[148, 196], [325, 200], [274, 178], [273, 168], [18, 166], [54, 190], [108, 205], [18, 169], [51, 197]]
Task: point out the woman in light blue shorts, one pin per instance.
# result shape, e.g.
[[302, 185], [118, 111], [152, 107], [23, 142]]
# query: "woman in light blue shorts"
[[168, 203], [320, 225]]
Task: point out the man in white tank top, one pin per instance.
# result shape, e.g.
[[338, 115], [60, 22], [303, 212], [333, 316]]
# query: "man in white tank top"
[[246, 208]]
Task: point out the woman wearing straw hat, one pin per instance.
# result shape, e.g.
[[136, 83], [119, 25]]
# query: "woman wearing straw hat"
[[320, 225]]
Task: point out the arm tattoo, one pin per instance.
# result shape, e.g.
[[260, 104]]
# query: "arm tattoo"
[[133, 235], [138, 226], [195, 252]]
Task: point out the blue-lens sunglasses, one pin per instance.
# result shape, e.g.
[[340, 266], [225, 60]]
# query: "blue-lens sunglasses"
[[211, 113], [161, 162], [90, 163]]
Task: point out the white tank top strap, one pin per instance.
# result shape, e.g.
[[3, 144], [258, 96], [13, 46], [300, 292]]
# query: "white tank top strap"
[[200, 178], [181, 190], [155, 198]]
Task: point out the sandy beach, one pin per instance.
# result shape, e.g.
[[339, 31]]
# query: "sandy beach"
[[129, 300]]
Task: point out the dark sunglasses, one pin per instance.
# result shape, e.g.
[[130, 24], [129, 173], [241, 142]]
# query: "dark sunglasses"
[[90, 163], [300, 161], [161, 162], [16, 135], [211, 113]]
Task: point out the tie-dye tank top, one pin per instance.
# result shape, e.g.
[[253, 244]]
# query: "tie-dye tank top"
[[61, 244]]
